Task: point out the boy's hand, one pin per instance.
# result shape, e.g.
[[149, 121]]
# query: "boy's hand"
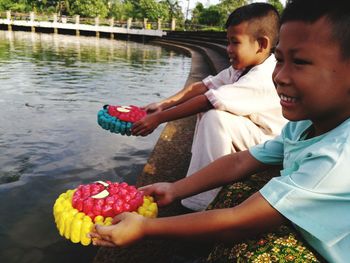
[[127, 228], [152, 108], [163, 193], [145, 126]]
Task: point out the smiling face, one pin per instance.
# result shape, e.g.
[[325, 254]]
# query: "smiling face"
[[242, 49], [311, 77]]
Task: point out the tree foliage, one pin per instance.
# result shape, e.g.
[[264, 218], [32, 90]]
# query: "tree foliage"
[[210, 16], [214, 15], [228, 6], [88, 8], [119, 9], [277, 4]]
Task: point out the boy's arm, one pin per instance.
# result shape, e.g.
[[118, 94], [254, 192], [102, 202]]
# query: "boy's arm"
[[190, 107], [253, 216], [227, 169], [188, 92]]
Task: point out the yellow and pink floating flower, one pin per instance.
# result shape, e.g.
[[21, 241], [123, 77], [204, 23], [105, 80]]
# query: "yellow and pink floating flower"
[[77, 210]]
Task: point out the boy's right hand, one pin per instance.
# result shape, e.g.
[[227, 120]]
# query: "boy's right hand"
[[146, 125], [126, 229], [163, 193], [152, 108]]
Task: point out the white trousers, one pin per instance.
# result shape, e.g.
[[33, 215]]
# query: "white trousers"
[[219, 133]]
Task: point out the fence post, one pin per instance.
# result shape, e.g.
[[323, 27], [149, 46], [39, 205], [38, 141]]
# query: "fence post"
[[159, 27], [128, 25], [97, 22], [111, 24], [77, 22], [173, 24], [145, 23], [8, 18], [32, 18], [55, 30]]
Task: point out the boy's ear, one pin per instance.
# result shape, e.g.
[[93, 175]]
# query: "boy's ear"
[[264, 44]]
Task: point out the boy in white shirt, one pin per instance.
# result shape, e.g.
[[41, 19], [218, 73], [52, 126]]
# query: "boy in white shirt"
[[239, 105]]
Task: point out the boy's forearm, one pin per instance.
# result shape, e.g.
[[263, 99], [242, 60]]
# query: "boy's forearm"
[[193, 106], [253, 216], [227, 169], [191, 225], [193, 90]]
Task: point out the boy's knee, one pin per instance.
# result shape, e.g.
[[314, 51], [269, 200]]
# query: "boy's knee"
[[222, 120], [217, 118]]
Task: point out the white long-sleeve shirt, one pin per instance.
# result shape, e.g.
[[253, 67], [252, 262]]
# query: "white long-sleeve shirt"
[[252, 95]]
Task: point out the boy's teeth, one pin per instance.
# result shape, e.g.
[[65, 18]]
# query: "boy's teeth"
[[288, 99]]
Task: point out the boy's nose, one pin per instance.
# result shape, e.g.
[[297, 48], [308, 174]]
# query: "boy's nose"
[[229, 48], [280, 75]]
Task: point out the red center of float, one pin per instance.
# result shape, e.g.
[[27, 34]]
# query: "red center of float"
[[126, 113], [106, 199]]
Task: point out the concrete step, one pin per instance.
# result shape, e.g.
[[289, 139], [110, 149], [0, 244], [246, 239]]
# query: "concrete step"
[[213, 53]]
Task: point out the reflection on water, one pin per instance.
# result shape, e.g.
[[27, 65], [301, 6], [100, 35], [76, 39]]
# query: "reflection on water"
[[51, 87]]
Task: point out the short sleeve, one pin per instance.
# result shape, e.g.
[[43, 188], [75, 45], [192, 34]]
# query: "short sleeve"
[[307, 204], [313, 190], [269, 152], [224, 77]]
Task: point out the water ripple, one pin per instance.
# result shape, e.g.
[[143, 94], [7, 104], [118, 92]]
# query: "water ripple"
[[51, 87]]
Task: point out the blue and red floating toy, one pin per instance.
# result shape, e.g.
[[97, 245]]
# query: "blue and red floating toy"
[[119, 119]]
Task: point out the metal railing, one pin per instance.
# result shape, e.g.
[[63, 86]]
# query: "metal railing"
[[130, 23]]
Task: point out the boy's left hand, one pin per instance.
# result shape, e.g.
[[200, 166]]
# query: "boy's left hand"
[[145, 126], [127, 228]]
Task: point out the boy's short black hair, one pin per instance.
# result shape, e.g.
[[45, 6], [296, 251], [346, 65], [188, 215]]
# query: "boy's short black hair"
[[337, 12], [263, 20]]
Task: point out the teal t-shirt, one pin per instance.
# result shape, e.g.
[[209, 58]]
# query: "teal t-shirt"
[[313, 191]]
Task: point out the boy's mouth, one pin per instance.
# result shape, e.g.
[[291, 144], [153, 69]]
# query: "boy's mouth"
[[232, 60], [288, 99]]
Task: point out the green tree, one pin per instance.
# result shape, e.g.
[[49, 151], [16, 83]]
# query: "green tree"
[[5, 5], [117, 9], [45, 5], [215, 15], [88, 8], [210, 16], [135, 11], [19, 5], [196, 13], [227, 6], [173, 10], [277, 4], [152, 9]]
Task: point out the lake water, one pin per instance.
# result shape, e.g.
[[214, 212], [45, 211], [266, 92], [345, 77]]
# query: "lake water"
[[51, 88]]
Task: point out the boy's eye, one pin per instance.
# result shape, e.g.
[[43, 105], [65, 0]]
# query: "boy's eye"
[[278, 59], [233, 42], [299, 61]]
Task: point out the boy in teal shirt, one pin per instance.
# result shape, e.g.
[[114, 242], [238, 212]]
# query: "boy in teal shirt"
[[313, 192]]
